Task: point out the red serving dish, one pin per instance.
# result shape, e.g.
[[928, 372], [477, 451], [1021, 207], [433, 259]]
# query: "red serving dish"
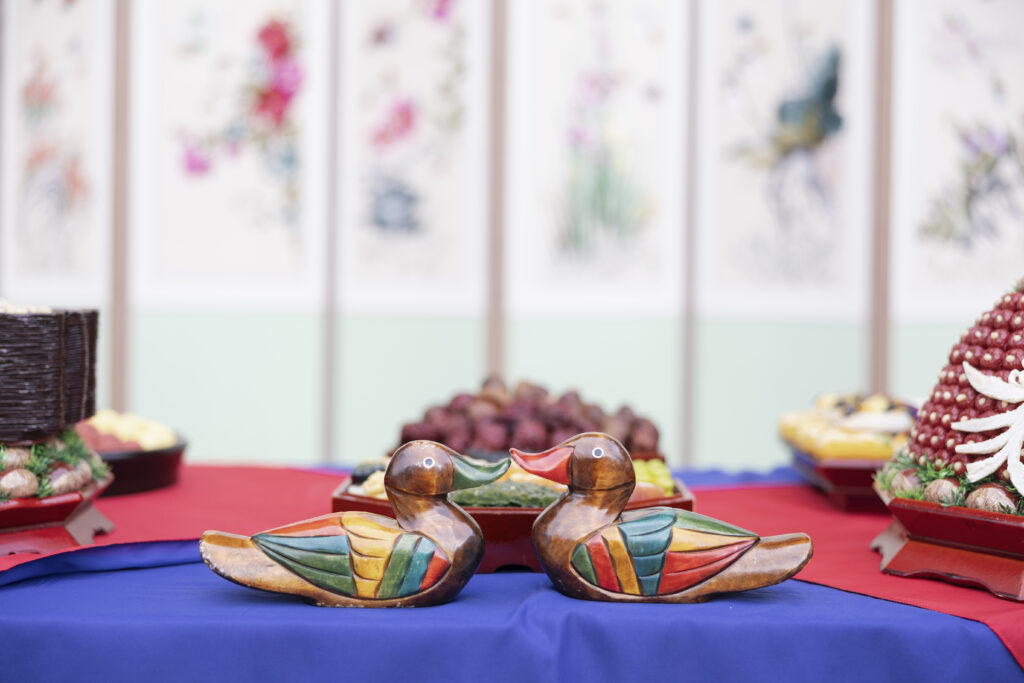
[[506, 530], [954, 544], [848, 482], [47, 525]]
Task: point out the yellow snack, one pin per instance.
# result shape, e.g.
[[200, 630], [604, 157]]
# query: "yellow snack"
[[518, 474], [654, 472], [839, 443], [848, 426], [877, 403], [148, 434], [374, 486]]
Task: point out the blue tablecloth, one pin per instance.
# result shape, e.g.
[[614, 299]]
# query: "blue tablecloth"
[[185, 623], [78, 618]]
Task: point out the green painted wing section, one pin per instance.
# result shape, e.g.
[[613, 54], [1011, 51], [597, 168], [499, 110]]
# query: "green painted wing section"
[[418, 564], [649, 584], [321, 560], [649, 565], [398, 566], [648, 535], [691, 520], [583, 564], [327, 553], [647, 520]]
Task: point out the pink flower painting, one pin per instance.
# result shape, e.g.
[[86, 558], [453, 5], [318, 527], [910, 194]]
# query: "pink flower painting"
[[266, 122]]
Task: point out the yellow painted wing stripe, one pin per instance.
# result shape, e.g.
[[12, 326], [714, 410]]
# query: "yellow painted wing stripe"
[[371, 547], [688, 539], [366, 588], [621, 560], [364, 567], [357, 523]]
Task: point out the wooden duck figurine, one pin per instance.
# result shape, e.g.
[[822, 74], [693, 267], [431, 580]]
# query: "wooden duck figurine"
[[591, 549], [356, 559]]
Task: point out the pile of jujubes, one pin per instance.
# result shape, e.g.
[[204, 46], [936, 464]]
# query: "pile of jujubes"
[[527, 417]]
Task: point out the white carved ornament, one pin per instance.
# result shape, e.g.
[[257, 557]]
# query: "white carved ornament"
[[1007, 446]]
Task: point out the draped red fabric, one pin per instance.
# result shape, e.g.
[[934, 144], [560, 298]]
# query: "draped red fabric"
[[243, 500]]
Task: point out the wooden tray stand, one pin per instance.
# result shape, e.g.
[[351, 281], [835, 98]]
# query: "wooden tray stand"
[[957, 545]]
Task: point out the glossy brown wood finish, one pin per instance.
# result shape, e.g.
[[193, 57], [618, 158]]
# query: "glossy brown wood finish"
[[508, 544], [599, 486], [418, 480]]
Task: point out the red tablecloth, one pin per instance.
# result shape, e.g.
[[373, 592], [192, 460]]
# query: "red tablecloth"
[[242, 500], [250, 499]]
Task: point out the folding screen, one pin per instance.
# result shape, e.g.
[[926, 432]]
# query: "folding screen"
[[594, 196], [958, 174], [55, 199], [228, 185], [412, 212], [783, 208]]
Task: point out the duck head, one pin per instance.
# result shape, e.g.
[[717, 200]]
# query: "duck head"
[[592, 461], [427, 468]]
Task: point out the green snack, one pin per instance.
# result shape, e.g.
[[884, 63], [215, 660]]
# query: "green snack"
[[654, 472], [507, 493]]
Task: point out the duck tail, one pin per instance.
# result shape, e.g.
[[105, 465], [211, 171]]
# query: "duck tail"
[[236, 558], [776, 558]]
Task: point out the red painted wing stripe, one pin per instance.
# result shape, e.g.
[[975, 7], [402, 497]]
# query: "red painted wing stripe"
[[435, 570], [674, 583], [680, 561], [325, 525], [603, 567]]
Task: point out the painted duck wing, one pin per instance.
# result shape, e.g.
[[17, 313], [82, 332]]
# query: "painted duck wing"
[[627, 556], [659, 551], [356, 554], [700, 548]]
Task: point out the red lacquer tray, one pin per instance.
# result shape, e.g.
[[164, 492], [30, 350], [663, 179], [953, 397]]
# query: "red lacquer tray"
[[47, 525], [848, 482], [954, 544], [506, 530]]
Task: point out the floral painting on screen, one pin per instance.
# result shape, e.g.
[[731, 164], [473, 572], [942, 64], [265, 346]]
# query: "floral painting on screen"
[[57, 142]]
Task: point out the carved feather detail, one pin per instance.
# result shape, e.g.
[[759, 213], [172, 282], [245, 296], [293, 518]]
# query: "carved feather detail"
[[1005, 447]]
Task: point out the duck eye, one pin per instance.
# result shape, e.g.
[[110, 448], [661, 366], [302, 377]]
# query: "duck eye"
[[598, 452], [428, 462]]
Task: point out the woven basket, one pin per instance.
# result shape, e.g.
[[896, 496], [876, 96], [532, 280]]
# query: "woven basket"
[[80, 364], [47, 372]]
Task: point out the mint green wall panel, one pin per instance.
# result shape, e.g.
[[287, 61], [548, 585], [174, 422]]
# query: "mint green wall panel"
[[748, 373], [611, 361], [917, 351], [242, 387], [391, 368]]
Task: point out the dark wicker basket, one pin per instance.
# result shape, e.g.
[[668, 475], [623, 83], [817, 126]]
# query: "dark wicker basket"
[[80, 365], [47, 372]]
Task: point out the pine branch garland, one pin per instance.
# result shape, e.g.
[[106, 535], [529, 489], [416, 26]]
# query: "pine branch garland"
[[100, 468], [928, 472], [69, 451], [45, 489]]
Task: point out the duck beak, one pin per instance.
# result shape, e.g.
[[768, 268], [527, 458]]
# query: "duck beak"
[[552, 464], [470, 474]]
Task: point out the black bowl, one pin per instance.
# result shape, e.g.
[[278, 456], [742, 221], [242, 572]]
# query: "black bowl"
[[136, 471]]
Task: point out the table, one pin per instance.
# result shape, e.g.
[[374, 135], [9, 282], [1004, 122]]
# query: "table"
[[182, 622]]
